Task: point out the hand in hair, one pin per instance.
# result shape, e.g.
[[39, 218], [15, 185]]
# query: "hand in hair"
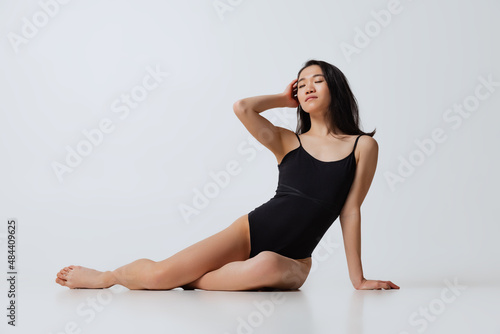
[[290, 95]]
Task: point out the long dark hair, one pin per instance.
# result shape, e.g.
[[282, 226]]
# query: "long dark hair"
[[343, 112]]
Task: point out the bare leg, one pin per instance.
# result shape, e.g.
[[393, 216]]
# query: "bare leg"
[[228, 245], [266, 270]]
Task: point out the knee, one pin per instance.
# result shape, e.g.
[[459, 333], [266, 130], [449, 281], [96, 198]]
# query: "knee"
[[272, 270], [153, 276], [267, 267]]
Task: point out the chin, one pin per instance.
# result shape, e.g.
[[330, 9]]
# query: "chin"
[[313, 110]]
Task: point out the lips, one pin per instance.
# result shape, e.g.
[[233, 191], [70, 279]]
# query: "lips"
[[311, 97]]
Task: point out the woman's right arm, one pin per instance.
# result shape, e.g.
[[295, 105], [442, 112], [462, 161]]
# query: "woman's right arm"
[[248, 112]]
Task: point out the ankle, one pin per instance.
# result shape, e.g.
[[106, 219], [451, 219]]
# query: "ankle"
[[109, 278]]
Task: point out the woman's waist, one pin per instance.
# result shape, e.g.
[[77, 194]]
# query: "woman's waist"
[[327, 203]]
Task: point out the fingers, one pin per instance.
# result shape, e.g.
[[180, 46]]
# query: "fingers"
[[392, 285], [387, 285], [377, 285], [294, 88]]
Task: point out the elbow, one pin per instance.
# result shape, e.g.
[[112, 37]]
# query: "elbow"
[[348, 213], [238, 106]]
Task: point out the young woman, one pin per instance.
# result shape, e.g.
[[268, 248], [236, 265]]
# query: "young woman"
[[325, 171]]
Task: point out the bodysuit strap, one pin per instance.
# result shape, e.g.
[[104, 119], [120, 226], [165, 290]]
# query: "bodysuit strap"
[[356, 143], [298, 139]]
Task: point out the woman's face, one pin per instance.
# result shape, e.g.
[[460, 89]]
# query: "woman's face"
[[312, 90]]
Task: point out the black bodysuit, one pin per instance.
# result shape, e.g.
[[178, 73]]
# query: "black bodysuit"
[[309, 198]]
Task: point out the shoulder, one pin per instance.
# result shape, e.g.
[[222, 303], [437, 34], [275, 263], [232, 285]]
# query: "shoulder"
[[367, 142], [367, 148]]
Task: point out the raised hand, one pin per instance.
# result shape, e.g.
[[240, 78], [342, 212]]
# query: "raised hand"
[[290, 95]]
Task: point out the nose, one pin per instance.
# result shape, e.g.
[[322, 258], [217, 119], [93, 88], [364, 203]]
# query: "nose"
[[309, 89]]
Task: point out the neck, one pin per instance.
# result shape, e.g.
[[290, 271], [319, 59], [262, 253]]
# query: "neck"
[[319, 126]]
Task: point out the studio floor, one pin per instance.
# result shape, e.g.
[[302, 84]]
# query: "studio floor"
[[446, 306]]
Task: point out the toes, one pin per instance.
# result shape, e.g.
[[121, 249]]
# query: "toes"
[[62, 276], [60, 281], [65, 272]]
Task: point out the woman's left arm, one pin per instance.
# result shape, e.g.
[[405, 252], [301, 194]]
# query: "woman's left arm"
[[350, 216]]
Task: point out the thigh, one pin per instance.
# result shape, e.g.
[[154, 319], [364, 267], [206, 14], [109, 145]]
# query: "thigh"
[[211, 253], [266, 270]]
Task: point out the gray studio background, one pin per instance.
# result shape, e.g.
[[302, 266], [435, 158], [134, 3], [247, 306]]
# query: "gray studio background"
[[124, 199]]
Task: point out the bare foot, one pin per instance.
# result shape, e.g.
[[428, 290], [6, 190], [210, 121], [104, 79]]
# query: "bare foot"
[[77, 277]]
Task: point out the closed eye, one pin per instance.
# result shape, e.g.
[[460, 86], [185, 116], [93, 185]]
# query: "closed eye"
[[315, 82]]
